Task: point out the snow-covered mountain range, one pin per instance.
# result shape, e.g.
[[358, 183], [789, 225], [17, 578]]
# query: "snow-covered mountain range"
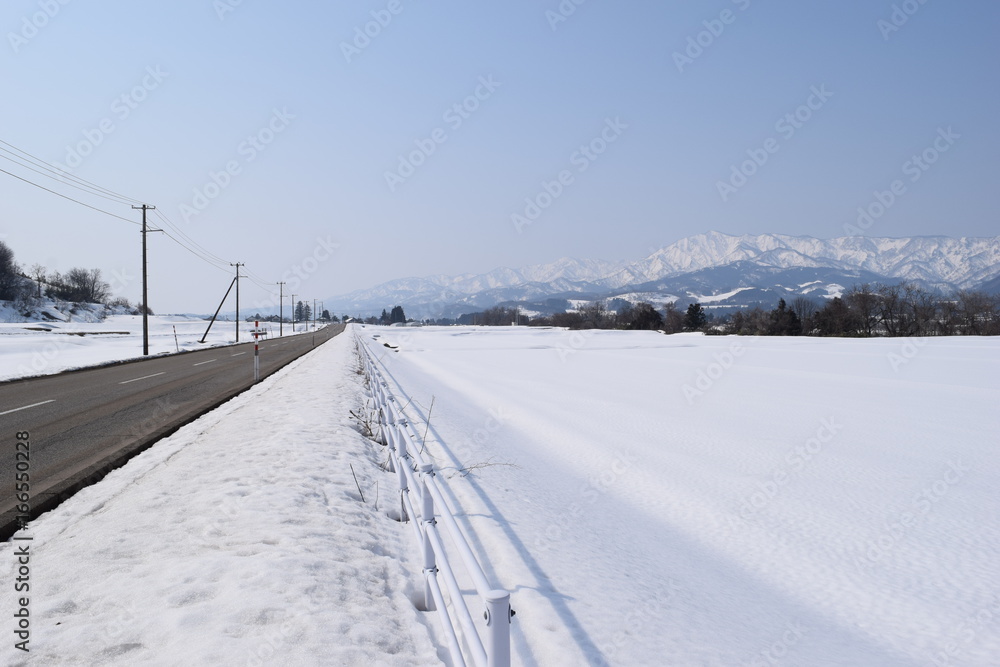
[[714, 268]]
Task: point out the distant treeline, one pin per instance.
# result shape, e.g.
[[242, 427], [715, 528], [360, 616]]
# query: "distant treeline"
[[76, 285], [865, 310]]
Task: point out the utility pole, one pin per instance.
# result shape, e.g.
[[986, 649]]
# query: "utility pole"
[[281, 309], [293, 313], [237, 265], [145, 302], [314, 314]]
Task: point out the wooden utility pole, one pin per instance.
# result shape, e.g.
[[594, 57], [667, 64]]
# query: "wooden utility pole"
[[281, 309], [237, 265], [145, 303]]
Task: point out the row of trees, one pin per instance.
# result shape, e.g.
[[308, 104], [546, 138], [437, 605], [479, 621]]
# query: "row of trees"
[[77, 284], [866, 310], [902, 309], [395, 316], [325, 316], [629, 316]]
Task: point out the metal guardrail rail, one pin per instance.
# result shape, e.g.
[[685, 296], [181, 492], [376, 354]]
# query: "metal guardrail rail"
[[420, 490]]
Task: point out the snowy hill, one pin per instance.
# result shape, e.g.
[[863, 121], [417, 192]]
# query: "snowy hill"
[[56, 310], [700, 266]]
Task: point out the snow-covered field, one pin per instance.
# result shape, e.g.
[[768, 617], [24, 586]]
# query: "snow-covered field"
[[691, 500], [42, 348], [646, 499]]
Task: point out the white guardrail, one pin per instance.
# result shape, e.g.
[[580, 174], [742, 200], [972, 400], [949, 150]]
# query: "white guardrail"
[[420, 487]]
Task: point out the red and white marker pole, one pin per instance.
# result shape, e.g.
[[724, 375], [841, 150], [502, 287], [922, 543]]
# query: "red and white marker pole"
[[256, 353]]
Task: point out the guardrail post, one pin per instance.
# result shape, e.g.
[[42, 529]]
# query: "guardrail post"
[[427, 510], [498, 615]]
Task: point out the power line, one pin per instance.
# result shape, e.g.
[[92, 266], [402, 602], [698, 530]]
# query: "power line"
[[88, 189], [100, 210], [190, 241], [50, 167], [29, 161], [196, 253]]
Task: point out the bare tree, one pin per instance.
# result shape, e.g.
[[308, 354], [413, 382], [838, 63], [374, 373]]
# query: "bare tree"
[[977, 313], [596, 316], [38, 273], [86, 286], [864, 302], [920, 308], [803, 307], [891, 309], [673, 319]]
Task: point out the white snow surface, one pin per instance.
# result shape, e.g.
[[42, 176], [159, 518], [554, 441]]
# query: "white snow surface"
[[718, 297], [692, 500], [669, 500], [239, 540]]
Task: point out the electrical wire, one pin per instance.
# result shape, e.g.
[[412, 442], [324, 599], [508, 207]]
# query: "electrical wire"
[[50, 167], [180, 232], [222, 266], [87, 189], [101, 210], [65, 178]]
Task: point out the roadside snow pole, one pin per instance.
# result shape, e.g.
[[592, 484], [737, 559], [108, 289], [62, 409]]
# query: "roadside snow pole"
[[256, 354], [498, 615], [404, 487], [427, 510]]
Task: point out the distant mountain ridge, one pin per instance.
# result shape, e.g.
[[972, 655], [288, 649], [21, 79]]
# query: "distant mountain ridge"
[[704, 266]]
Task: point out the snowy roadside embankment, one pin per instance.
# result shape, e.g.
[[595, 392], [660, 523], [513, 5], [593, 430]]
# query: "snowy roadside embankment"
[[239, 540], [692, 500]]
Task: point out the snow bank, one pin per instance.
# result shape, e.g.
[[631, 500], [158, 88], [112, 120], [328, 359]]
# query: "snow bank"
[[241, 539], [694, 500]]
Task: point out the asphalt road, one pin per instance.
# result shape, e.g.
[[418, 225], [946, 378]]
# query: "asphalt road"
[[83, 424]]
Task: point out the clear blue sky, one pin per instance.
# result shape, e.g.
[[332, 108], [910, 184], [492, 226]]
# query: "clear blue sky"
[[678, 126]]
